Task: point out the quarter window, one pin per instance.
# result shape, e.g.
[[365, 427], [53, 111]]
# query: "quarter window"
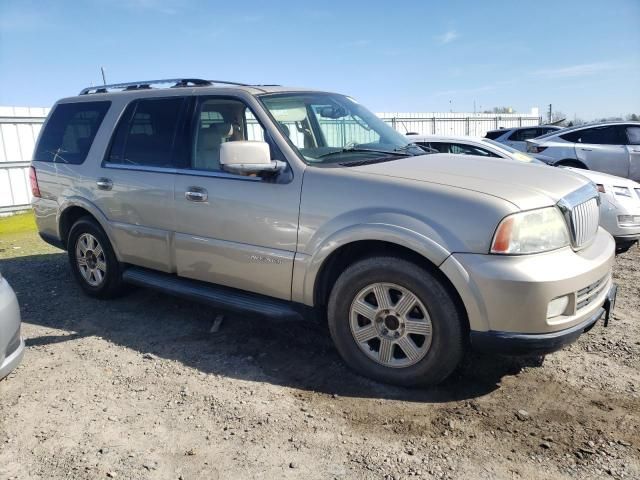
[[148, 133], [633, 134], [70, 131]]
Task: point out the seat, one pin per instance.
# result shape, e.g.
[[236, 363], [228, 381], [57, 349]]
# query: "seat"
[[208, 146]]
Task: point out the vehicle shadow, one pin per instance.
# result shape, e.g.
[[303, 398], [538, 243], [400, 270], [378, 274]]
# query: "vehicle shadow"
[[293, 354]]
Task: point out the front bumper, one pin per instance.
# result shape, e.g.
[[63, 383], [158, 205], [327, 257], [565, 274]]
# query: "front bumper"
[[11, 343], [512, 293], [509, 343]]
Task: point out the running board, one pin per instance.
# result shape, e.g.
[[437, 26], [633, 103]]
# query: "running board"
[[225, 298]]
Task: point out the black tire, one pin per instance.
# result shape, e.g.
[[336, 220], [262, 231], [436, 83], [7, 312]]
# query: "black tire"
[[570, 163], [447, 342], [111, 284]]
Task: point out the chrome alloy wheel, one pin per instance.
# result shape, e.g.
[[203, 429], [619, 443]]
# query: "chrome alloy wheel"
[[91, 259], [390, 325]]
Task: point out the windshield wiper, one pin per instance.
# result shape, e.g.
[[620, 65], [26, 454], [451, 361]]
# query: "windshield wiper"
[[360, 149]]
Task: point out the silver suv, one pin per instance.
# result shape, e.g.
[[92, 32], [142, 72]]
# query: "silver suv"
[[281, 201], [611, 147]]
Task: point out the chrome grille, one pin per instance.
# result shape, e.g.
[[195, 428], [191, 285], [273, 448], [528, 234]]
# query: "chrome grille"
[[584, 222], [588, 294]]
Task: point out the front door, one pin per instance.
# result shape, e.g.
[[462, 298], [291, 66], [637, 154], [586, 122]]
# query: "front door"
[[603, 149], [233, 230]]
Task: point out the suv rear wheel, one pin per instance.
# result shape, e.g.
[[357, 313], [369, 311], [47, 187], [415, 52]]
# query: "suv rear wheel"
[[395, 322], [92, 259]]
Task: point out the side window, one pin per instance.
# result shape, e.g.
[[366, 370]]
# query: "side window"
[[462, 149], [70, 131], [633, 135], [147, 133], [606, 135], [524, 134], [439, 146], [220, 120]]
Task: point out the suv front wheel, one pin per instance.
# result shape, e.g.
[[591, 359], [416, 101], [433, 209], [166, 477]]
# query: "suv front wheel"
[[92, 259], [395, 322]]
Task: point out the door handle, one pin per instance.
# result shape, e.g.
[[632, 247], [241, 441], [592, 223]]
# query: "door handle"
[[196, 194], [586, 149], [635, 150], [104, 183]]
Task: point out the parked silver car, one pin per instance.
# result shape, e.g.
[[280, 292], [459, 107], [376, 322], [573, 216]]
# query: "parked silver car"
[[275, 200], [517, 137], [619, 197], [612, 147], [11, 343]]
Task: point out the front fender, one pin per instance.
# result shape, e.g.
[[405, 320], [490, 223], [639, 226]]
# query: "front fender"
[[307, 267]]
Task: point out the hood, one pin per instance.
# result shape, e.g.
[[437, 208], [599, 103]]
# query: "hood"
[[526, 185], [603, 178]]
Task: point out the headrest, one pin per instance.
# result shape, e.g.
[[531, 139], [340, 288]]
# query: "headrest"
[[224, 129]]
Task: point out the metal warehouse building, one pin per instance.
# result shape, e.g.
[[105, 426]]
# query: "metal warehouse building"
[[19, 128]]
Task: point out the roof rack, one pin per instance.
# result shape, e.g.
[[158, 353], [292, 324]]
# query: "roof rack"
[[144, 85]]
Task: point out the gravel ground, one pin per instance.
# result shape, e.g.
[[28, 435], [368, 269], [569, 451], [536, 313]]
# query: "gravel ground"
[[139, 388]]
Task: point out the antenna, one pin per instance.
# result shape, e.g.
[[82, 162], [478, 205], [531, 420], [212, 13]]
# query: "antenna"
[[104, 78]]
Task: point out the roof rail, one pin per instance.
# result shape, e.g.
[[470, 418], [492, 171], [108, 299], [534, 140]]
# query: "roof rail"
[[143, 85]]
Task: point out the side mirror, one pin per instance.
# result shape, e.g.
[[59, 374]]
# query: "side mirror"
[[249, 158]]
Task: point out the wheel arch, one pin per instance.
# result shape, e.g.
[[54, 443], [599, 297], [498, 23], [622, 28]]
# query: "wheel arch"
[[347, 254], [571, 162], [74, 209]]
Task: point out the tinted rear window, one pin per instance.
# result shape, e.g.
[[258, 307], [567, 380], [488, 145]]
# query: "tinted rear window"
[[70, 131], [146, 134], [495, 134]]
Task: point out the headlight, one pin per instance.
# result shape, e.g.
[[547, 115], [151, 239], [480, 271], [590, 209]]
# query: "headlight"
[[531, 232], [622, 191]]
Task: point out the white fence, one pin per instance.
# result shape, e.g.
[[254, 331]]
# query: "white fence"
[[19, 128], [455, 124]]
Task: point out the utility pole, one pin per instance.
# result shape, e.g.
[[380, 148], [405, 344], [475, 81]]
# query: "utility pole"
[[550, 112], [104, 79]]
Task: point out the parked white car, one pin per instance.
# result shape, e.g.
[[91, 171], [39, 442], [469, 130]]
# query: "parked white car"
[[620, 197]]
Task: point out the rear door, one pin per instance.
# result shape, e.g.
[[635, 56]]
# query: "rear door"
[[134, 185], [603, 149], [633, 146]]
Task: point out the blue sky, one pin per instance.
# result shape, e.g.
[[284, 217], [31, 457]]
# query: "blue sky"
[[581, 55]]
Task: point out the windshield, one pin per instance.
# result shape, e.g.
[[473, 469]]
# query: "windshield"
[[329, 128], [513, 153]]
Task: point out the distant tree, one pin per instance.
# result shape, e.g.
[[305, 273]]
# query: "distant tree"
[[633, 117], [500, 110], [558, 116]]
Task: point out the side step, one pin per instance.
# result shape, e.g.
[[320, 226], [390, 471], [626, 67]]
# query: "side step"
[[225, 298]]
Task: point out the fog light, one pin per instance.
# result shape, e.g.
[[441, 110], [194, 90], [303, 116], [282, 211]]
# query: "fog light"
[[557, 306], [629, 220]]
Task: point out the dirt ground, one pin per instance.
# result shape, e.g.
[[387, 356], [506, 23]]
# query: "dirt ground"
[[139, 388]]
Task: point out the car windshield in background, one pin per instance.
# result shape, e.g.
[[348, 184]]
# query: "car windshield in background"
[[328, 129]]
